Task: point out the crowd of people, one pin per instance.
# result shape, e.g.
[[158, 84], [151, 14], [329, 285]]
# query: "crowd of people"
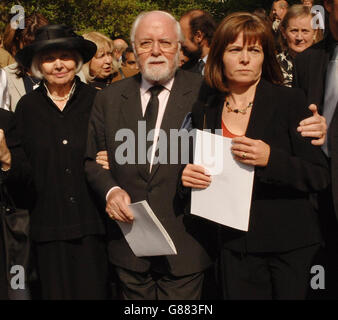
[[267, 81]]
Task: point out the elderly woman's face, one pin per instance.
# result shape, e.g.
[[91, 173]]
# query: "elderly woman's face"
[[101, 64], [243, 62], [58, 67], [299, 34]]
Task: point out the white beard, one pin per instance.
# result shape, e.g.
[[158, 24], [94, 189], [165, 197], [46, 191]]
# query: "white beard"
[[160, 73]]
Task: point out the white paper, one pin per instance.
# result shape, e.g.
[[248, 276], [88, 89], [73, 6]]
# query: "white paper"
[[146, 236], [227, 200]]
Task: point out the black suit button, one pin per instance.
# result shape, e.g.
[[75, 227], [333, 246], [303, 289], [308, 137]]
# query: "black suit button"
[[72, 199], [68, 171]]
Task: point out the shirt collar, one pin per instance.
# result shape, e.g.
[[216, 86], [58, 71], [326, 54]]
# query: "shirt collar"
[[205, 59], [146, 85]]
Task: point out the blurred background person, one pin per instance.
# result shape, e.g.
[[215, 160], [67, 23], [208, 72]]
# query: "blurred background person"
[[129, 60], [307, 3], [5, 58], [272, 260], [277, 13], [20, 79], [296, 36], [119, 46], [198, 28], [66, 228], [183, 58], [99, 70], [14, 175]]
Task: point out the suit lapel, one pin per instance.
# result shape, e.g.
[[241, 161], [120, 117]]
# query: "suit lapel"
[[131, 114], [262, 110], [213, 112]]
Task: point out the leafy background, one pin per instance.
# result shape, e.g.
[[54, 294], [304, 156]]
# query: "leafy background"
[[114, 17]]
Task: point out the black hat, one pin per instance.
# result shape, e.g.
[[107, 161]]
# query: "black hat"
[[56, 37]]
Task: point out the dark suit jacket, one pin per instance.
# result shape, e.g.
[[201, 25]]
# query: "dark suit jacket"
[[310, 72], [192, 66], [118, 107], [282, 217]]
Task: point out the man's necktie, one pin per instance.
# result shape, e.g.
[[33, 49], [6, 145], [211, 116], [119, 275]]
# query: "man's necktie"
[[331, 95], [150, 115], [201, 65]]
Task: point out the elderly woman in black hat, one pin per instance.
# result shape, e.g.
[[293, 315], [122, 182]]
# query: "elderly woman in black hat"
[[66, 227]]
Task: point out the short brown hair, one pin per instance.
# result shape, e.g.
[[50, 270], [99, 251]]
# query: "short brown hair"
[[254, 29]]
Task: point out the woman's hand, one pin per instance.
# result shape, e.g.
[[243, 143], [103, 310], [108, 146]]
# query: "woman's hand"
[[250, 151], [5, 155], [194, 176], [102, 159]]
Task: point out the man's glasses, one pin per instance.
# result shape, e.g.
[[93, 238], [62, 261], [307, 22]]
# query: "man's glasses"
[[147, 45]]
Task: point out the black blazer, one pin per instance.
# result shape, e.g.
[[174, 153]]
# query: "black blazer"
[[282, 217], [310, 72], [119, 107]]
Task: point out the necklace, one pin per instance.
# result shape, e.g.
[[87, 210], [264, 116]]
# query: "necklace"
[[66, 97], [237, 110]]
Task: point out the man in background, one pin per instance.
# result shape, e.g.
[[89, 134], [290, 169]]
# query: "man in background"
[[198, 28]]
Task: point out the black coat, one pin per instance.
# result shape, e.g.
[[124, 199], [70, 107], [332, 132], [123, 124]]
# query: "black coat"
[[310, 73], [117, 107], [281, 217], [54, 142]]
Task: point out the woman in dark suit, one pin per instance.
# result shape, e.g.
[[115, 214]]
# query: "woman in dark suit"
[[272, 260], [66, 227]]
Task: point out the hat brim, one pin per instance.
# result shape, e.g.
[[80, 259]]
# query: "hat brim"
[[85, 48]]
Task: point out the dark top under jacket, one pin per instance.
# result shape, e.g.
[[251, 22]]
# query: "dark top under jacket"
[[282, 217], [54, 142]]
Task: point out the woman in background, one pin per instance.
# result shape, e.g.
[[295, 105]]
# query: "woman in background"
[[297, 35], [20, 79]]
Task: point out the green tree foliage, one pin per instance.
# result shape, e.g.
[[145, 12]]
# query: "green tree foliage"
[[114, 17]]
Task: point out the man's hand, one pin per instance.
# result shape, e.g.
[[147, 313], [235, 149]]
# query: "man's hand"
[[102, 159], [314, 127], [5, 155], [250, 151], [117, 206]]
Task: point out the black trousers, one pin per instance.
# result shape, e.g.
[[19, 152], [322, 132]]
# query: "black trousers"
[[156, 286], [266, 276], [73, 269], [327, 256]]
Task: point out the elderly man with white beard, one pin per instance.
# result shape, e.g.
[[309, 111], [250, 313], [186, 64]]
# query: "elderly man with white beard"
[[160, 96]]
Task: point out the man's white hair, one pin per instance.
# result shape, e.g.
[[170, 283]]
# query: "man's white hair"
[[142, 15]]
